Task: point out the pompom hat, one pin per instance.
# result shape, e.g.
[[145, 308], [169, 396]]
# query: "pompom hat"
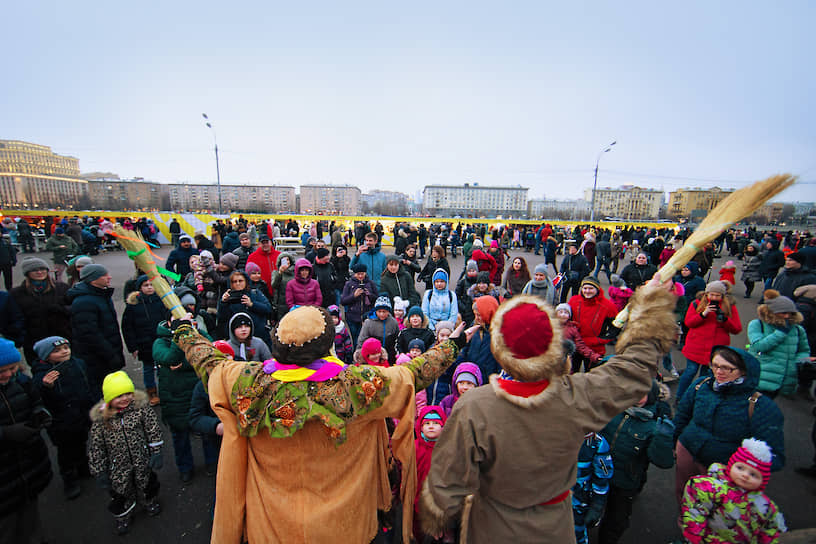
[[526, 339], [115, 385], [754, 453]]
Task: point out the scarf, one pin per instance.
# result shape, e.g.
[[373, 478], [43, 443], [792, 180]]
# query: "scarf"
[[718, 386], [318, 370], [39, 286]]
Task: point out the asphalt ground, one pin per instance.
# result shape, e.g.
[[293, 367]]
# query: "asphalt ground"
[[186, 515]]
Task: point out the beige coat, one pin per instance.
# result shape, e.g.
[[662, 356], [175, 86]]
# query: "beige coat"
[[513, 453]]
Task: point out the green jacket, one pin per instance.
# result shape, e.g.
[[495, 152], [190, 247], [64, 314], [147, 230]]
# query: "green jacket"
[[635, 442], [779, 349], [399, 285], [175, 386], [61, 254]]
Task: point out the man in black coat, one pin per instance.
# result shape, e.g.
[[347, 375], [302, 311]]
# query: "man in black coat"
[[793, 275], [575, 268], [179, 259], [44, 305], [94, 327], [639, 272]]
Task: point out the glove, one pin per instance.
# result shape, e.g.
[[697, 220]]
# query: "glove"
[[40, 419], [593, 517], [156, 461], [664, 425], [19, 432], [103, 481], [176, 323]]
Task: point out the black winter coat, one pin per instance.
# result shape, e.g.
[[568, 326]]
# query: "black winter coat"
[[70, 399], [12, 325], [25, 469], [44, 314], [95, 332], [179, 260], [139, 321]]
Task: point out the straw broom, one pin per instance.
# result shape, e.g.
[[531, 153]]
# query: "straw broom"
[[139, 250], [736, 206]]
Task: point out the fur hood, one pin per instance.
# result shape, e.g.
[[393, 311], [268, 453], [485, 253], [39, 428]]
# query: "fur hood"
[[766, 315], [101, 411]]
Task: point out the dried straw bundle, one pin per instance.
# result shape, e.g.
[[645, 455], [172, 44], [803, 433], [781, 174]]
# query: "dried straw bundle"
[[736, 206], [139, 250]]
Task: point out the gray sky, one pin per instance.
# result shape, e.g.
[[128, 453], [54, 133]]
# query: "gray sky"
[[395, 96]]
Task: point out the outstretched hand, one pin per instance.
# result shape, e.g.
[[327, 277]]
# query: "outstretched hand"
[[655, 282]]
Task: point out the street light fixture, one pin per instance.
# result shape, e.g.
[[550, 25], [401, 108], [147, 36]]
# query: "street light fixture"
[[217, 168], [595, 184]]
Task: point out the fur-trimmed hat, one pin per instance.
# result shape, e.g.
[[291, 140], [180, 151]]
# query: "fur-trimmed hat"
[[754, 453], [303, 335], [526, 339], [777, 303]]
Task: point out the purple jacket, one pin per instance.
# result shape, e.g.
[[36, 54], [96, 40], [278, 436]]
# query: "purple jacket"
[[303, 292], [448, 402]]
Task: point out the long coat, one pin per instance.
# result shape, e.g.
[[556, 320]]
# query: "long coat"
[[95, 331], [779, 348]]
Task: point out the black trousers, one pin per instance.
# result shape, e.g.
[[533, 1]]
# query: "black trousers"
[[616, 518], [6, 270], [71, 448]]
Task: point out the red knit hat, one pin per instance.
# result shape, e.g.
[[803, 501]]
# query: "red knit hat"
[[754, 453], [526, 339], [224, 347]]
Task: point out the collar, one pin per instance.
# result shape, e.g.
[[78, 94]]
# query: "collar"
[[523, 389]]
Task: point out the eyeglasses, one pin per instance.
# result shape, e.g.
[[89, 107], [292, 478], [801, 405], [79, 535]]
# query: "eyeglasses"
[[724, 368]]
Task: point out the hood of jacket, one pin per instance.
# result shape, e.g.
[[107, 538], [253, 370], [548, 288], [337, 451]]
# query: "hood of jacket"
[[752, 369], [101, 411], [83, 288], [693, 267], [302, 263], [465, 367], [424, 411], [232, 337], [442, 272], [291, 257]]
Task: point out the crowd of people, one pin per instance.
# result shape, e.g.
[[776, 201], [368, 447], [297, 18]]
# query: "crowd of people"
[[723, 432]]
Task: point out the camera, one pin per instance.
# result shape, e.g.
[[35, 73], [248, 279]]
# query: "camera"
[[235, 297]]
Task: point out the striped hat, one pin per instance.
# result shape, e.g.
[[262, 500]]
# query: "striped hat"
[[754, 453]]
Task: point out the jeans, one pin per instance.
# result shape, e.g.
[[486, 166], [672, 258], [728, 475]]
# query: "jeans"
[[688, 376], [148, 368], [603, 262]]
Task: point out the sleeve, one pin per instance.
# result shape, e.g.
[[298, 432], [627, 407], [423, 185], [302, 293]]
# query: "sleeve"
[[602, 470], [695, 507], [152, 429], [172, 259], [263, 352], [348, 293], [198, 351], [660, 450], [200, 420], [426, 303], [98, 461], [128, 332], [260, 304], [773, 525], [734, 325], [454, 308], [685, 409], [803, 350], [767, 424], [693, 319], [765, 340], [290, 294]]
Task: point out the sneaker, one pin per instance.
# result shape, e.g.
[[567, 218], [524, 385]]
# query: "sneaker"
[[153, 508], [674, 373]]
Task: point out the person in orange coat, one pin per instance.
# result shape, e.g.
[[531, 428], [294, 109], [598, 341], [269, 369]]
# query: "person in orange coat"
[[590, 309]]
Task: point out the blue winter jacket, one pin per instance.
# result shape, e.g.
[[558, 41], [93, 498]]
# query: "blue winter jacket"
[[375, 264], [712, 424]]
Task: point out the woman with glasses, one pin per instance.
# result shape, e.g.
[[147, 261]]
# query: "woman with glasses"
[[719, 411]]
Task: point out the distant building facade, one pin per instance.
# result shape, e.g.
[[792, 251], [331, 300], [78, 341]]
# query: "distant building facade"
[[684, 202], [385, 203], [627, 202], [234, 198], [474, 200], [330, 199], [136, 194], [558, 209], [33, 176]]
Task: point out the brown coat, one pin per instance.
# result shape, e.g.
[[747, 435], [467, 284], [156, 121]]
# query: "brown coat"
[[513, 453], [306, 488]]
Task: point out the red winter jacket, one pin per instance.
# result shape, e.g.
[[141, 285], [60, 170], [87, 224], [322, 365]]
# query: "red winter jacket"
[[571, 332], [706, 332], [267, 261], [590, 314], [485, 262]]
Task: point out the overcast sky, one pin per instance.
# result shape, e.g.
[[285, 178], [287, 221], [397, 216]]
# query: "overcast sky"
[[395, 95]]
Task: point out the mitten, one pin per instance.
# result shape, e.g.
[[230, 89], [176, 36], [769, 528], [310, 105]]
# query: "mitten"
[[664, 425]]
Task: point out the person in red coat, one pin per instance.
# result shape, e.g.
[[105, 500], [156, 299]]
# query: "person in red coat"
[[266, 256], [711, 321], [485, 262], [590, 309]]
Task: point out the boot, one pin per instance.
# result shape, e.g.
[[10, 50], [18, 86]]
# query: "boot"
[[123, 520], [154, 396], [153, 508], [70, 483]]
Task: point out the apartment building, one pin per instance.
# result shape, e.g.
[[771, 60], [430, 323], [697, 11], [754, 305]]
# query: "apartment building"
[[249, 198], [474, 200], [684, 202], [627, 202], [330, 199]]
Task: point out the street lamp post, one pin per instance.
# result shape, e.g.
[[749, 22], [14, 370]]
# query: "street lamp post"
[[218, 169], [595, 184]]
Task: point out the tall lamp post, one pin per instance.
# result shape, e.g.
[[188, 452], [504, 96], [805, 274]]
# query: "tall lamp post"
[[594, 185], [218, 169]]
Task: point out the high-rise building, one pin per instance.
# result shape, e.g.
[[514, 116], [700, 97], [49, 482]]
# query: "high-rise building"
[[627, 202], [330, 199], [683, 203], [112, 193], [33, 176], [474, 200]]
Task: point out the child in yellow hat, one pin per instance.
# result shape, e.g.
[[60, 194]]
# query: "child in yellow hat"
[[124, 448]]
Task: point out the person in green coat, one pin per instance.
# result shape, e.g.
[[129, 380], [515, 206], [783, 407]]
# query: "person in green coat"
[[639, 436], [779, 342], [62, 247], [177, 379]]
